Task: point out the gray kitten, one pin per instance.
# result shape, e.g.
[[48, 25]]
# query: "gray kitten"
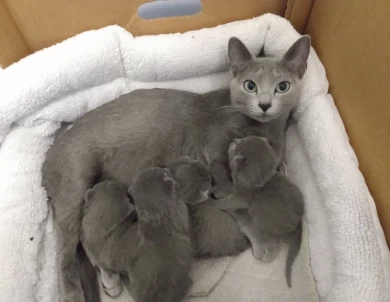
[[156, 126], [213, 232], [266, 211], [155, 253], [193, 181]]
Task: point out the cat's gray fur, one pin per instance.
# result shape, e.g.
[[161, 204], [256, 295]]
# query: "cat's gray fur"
[[267, 211], [155, 253], [213, 232], [157, 126]]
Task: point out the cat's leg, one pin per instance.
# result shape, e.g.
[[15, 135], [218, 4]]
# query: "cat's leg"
[[264, 249], [111, 282], [219, 169], [67, 205]]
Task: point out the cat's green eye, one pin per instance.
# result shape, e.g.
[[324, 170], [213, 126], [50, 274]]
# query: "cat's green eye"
[[250, 86], [282, 87]]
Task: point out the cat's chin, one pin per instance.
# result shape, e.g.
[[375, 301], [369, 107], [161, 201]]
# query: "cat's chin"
[[263, 118]]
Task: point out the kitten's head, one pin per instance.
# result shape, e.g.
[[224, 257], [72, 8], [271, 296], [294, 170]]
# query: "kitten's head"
[[251, 159], [263, 87], [106, 205], [193, 180], [154, 191]]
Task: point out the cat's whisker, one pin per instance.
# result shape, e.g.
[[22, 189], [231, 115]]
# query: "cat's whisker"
[[224, 107]]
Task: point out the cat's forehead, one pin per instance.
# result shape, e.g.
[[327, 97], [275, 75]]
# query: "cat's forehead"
[[270, 69]]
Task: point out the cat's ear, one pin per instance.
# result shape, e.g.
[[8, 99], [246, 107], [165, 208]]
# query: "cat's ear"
[[296, 57], [89, 195], [238, 160], [261, 53], [169, 182], [238, 55]]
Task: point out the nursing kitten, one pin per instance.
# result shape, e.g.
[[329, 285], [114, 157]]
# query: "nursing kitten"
[[155, 253], [154, 127], [213, 232], [267, 211], [193, 181]]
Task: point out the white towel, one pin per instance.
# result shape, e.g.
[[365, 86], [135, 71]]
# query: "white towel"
[[348, 255]]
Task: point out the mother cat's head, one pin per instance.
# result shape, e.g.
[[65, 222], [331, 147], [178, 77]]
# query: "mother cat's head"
[[265, 87]]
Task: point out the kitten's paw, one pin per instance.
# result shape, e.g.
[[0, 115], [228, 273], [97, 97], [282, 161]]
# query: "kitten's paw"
[[169, 185], [267, 255], [220, 191], [114, 291], [111, 283], [233, 145], [258, 253]]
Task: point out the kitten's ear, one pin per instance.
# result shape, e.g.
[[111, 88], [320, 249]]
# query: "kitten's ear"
[[296, 57], [261, 53], [169, 182], [169, 185], [238, 54], [238, 160], [128, 210], [89, 195]]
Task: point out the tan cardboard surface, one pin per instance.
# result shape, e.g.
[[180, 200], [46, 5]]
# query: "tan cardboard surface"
[[352, 38], [297, 12], [33, 25], [12, 44]]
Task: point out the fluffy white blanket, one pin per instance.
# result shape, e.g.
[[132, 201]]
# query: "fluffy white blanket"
[[349, 259]]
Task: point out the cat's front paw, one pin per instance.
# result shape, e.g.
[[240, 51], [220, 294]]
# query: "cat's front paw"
[[114, 291], [111, 283], [266, 255], [221, 191], [233, 146]]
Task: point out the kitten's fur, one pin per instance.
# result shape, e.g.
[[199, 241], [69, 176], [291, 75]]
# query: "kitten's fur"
[[213, 232], [267, 211], [112, 240], [157, 126]]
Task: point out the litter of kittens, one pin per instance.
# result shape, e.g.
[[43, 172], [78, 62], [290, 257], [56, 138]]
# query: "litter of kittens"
[[342, 237]]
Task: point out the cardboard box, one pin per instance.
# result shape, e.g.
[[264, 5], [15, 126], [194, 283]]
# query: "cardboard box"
[[352, 38]]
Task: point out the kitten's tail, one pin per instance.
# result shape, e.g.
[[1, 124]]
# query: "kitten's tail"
[[294, 245], [88, 276]]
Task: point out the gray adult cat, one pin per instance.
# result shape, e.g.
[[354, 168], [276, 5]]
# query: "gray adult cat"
[[158, 125], [267, 210], [155, 253]]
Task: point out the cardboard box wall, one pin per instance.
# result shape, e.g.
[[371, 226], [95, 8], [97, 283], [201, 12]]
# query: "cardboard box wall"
[[352, 38]]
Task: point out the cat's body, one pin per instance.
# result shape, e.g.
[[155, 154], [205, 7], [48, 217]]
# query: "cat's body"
[[153, 127], [155, 252], [267, 211]]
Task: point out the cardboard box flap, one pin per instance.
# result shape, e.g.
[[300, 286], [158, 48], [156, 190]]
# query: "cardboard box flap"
[[28, 26]]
